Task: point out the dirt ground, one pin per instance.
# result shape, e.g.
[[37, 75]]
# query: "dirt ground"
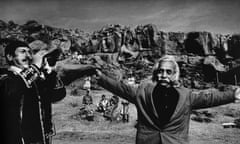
[[73, 130]]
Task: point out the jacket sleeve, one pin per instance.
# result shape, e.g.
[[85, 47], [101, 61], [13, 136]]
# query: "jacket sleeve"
[[69, 73], [56, 90], [12, 96], [210, 98], [119, 88]]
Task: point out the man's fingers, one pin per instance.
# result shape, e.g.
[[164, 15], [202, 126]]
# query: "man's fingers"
[[237, 95], [42, 53], [45, 52]]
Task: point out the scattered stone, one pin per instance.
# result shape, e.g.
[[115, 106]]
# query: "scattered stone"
[[202, 116]]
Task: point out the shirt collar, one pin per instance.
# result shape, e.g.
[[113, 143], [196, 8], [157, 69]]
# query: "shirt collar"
[[15, 69]]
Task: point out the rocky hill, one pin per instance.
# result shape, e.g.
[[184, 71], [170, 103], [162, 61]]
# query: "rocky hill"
[[206, 59]]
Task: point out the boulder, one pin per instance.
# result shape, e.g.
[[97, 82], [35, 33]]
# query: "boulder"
[[3, 25], [234, 46], [38, 45], [65, 44], [176, 40], [215, 63], [32, 26], [199, 43]]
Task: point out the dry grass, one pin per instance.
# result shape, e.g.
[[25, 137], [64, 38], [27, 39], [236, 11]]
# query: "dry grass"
[[100, 131]]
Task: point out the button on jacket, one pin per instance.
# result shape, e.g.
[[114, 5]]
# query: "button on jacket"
[[21, 107]]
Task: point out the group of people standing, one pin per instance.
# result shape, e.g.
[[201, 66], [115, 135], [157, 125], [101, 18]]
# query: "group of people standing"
[[163, 104]]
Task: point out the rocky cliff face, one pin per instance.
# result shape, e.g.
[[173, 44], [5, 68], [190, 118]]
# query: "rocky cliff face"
[[137, 49]]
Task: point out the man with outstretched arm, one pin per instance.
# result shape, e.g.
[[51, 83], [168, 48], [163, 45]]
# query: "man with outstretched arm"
[[29, 87], [163, 105], [27, 93]]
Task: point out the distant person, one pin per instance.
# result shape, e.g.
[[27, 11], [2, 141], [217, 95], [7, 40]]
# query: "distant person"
[[102, 105], [87, 98], [125, 111], [163, 105], [87, 109], [113, 100], [112, 106], [87, 84], [131, 80]]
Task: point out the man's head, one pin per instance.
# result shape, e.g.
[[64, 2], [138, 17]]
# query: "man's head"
[[103, 96], [166, 71], [19, 54], [87, 92]]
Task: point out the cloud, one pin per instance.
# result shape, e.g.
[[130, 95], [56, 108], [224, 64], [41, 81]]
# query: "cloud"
[[168, 15]]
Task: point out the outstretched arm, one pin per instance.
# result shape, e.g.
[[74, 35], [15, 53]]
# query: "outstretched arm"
[[117, 87], [70, 72], [213, 97]]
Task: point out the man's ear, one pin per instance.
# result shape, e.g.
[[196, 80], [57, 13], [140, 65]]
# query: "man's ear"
[[9, 57]]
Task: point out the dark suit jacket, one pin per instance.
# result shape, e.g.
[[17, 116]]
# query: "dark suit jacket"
[[176, 130]]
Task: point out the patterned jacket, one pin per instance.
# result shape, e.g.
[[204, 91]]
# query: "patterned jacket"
[[27, 97]]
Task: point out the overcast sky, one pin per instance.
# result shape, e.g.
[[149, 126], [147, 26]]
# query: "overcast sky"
[[219, 16]]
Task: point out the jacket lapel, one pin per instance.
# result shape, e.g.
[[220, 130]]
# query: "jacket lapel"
[[181, 101]]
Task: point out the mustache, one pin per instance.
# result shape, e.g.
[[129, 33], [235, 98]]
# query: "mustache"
[[27, 59], [165, 81]]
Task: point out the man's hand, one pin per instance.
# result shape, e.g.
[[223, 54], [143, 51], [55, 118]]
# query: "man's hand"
[[71, 72], [46, 67], [38, 58], [237, 95], [98, 72]]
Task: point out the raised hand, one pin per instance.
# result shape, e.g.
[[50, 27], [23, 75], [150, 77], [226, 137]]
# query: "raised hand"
[[46, 67], [71, 72], [38, 58], [237, 95]]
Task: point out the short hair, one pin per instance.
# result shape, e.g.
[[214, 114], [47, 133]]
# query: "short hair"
[[167, 58]]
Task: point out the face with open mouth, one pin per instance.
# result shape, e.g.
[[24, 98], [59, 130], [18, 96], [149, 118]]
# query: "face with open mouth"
[[23, 57]]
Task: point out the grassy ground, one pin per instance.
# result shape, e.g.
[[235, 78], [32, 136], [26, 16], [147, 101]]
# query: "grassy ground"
[[73, 130]]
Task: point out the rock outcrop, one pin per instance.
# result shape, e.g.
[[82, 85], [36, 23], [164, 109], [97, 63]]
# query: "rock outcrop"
[[201, 55]]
